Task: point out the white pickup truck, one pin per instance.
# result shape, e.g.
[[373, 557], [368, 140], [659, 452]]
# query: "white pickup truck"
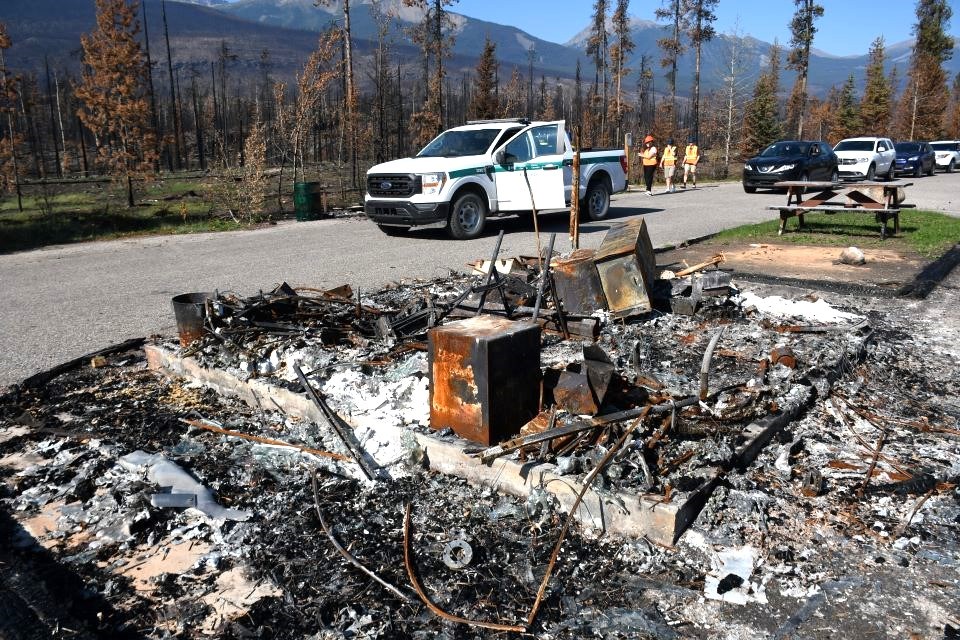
[[490, 168]]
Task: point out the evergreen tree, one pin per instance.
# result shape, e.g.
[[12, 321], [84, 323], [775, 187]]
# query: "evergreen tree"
[[761, 120], [847, 123], [699, 20], [924, 102], [113, 92], [875, 105], [802, 31], [484, 103]]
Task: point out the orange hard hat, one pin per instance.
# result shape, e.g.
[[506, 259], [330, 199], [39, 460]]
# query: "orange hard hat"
[[648, 139]]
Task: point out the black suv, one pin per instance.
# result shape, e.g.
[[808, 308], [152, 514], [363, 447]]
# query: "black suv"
[[790, 160]]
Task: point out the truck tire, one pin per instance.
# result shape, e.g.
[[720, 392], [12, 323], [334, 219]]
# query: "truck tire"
[[950, 167], [596, 202], [871, 173], [467, 217], [391, 230], [891, 173]]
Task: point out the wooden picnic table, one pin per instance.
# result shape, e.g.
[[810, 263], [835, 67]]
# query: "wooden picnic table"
[[878, 198]]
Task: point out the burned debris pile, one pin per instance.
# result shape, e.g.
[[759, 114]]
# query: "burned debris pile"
[[278, 475]]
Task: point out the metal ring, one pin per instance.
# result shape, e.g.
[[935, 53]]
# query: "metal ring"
[[457, 554]]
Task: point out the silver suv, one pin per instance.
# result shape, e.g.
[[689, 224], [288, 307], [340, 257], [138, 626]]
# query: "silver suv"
[[948, 154], [866, 158]]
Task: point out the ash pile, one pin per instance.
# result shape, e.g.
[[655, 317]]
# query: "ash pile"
[[585, 445]]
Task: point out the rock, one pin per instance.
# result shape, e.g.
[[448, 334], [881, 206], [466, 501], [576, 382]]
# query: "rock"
[[852, 255]]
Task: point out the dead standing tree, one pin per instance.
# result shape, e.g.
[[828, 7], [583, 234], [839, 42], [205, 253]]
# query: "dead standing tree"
[[317, 75], [619, 52], [9, 171], [113, 94], [699, 18], [429, 35], [598, 49], [672, 49]]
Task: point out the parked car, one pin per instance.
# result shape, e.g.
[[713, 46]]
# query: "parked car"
[[916, 158], [948, 154], [790, 160], [866, 158]]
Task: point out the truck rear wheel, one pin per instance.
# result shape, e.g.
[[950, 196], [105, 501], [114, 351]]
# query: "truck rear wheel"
[[597, 200], [467, 217]]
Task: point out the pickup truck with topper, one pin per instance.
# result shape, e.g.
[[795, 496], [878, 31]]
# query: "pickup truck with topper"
[[490, 168]]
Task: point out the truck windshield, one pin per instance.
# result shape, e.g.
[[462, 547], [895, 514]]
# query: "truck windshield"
[[946, 146], [454, 144], [785, 149]]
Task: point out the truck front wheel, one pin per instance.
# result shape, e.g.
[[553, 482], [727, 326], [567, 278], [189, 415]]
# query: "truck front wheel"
[[597, 200], [467, 217]]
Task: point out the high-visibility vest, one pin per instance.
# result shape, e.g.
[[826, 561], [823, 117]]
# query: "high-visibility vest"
[[669, 155], [650, 157], [691, 155]]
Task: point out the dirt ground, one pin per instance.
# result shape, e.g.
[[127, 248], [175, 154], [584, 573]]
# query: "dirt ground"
[[884, 268]]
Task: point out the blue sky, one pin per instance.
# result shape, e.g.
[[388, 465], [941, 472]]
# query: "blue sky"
[[846, 28]]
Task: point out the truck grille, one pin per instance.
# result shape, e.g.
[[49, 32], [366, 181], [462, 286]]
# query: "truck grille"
[[848, 161], [393, 185]]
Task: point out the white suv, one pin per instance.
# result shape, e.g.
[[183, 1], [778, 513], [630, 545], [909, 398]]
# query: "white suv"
[[948, 154], [866, 158]]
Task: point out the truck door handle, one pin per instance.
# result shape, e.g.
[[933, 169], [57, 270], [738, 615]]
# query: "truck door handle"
[[547, 167]]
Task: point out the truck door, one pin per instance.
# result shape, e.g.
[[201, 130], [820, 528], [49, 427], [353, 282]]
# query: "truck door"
[[532, 161]]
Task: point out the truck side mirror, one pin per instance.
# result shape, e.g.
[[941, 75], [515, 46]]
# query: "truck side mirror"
[[498, 157]]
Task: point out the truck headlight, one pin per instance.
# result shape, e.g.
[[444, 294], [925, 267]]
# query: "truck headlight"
[[746, 166], [913, 158], [783, 167], [859, 160], [432, 183]]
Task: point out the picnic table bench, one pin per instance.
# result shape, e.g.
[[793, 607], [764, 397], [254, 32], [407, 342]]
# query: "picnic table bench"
[[878, 198]]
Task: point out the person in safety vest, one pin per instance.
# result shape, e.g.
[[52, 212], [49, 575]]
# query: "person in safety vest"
[[668, 164], [691, 156], [648, 157]]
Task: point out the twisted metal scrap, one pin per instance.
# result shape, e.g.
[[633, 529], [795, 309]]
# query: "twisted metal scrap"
[[541, 592], [346, 554], [418, 587]]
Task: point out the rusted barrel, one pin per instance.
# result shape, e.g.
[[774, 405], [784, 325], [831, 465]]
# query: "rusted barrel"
[[190, 311]]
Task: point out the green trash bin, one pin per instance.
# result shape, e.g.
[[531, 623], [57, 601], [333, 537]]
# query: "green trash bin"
[[308, 201]]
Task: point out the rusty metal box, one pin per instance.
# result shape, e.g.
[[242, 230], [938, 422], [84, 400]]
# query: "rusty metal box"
[[578, 283], [484, 377], [626, 265]]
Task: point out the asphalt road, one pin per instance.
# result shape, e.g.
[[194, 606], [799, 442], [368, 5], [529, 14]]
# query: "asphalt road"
[[64, 301]]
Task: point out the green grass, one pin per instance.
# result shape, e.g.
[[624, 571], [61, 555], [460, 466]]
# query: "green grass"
[[98, 211], [927, 233]]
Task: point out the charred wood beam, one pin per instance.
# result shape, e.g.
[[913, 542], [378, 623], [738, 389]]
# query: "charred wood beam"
[[544, 275], [43, 377]]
